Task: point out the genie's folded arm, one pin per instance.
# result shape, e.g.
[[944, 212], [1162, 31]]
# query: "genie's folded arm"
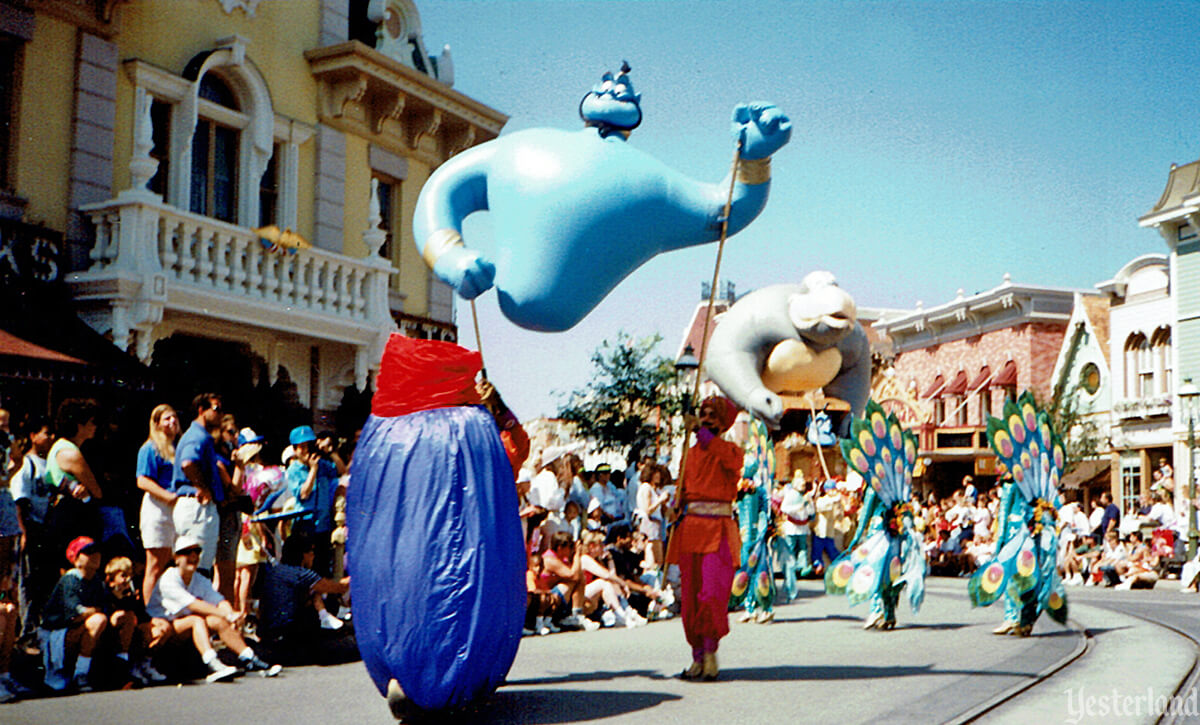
[[454, 192]]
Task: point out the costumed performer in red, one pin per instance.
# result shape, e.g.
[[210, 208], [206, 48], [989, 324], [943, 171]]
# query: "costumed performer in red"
[[706, 541]]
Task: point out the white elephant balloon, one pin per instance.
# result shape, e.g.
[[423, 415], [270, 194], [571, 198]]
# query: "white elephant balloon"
[[791, 338]]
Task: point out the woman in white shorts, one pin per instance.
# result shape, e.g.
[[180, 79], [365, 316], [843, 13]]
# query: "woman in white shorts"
[[155, 468], [653, 498]]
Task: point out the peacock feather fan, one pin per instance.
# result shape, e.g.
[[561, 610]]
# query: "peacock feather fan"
[[886, 554], [1028, 448], [883, 453], [1025, 564]]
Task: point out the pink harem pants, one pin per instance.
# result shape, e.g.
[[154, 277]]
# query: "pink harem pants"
[[707, 580]]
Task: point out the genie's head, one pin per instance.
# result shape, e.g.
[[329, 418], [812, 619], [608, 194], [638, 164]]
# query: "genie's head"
[[611, 105]]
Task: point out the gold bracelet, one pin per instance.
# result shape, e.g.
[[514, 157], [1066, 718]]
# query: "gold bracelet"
[[438, 243], [754, 171]]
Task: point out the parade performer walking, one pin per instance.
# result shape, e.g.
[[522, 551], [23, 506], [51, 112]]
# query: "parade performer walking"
[[435, 552], [706, 538], [1025, 568], [754, 582], [886, 554], [791, 544]]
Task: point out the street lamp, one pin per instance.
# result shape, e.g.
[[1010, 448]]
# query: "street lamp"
[[1189, 397], [687, 365]]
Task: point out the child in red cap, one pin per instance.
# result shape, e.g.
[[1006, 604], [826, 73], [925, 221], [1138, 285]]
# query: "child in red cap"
[[74, 618]]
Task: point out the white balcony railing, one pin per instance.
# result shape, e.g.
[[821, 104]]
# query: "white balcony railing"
[[150, 257], [231, 260]]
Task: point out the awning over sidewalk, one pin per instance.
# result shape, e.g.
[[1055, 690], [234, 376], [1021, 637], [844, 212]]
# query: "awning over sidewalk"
[[1085, 472], [43, 338], [13, 346]]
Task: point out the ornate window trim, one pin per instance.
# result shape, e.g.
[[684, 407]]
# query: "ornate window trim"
[[257, 121]]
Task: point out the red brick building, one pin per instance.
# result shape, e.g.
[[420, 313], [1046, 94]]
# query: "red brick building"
[[955, 364]]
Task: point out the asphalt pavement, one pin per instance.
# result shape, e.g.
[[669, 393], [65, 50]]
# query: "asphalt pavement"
[[814, 663]]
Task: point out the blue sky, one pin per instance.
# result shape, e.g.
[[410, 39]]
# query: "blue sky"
[[935, 145]]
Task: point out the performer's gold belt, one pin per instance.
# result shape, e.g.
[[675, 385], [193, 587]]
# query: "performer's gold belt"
[[708, 508]]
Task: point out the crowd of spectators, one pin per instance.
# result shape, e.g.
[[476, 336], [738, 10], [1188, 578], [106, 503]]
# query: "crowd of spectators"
[[229, 565], [581, 524], [234, 564]]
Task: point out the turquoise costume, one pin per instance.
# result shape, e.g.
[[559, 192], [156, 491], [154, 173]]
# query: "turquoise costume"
[[754, 583], [1025, 567], [886, 553]]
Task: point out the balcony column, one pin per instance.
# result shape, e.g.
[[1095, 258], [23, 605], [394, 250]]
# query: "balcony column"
[[362, 370], [142, 166]]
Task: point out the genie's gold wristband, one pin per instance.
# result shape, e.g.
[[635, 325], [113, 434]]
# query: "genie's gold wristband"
[[754, 171], [438, 244]]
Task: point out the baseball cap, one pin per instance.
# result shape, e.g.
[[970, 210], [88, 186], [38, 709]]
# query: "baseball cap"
[[79, 545], [247, 435], [187, 541], [301, 434]]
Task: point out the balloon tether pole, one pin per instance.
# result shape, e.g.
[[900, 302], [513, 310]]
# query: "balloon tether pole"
[[817, 441], [478, 342], [712, 298]]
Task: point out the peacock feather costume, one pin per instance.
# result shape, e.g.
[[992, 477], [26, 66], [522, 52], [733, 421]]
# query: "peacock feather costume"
[[886, 554], [1025, 567], [754, 583]]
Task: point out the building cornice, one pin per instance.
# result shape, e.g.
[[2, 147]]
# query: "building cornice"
[[1003, 307], [364, 92]]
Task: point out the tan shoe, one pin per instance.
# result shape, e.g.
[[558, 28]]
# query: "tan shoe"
[[693, 672], [709, 670], [745, 616], [397, 701], [1005, 628], [873, 621], [765, 617], [1022, 630]]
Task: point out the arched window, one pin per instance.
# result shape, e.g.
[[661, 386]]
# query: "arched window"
[[215, 150], [1160, 347], [1139, 367]]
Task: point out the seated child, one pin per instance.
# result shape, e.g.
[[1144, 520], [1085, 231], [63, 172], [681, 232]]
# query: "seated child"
[[73, 619], [129, 617]]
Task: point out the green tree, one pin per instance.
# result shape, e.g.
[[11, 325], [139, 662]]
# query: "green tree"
[[632, 388]]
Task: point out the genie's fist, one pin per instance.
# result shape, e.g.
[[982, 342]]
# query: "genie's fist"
[[466, 271], [761, 128]]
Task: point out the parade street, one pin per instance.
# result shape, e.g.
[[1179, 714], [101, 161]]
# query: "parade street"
[[814, 664]]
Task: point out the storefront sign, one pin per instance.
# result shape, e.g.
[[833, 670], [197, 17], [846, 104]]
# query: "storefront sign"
[[28, 253]]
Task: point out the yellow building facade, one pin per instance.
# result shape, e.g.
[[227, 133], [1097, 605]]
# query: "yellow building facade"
[[171, 142]]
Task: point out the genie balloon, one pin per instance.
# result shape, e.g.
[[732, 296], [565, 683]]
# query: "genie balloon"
[[574, 212], [791, 338]]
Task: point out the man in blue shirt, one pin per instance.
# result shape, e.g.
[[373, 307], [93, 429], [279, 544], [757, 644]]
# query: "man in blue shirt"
[[1112, 516], [313, 480], [198, 480]]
